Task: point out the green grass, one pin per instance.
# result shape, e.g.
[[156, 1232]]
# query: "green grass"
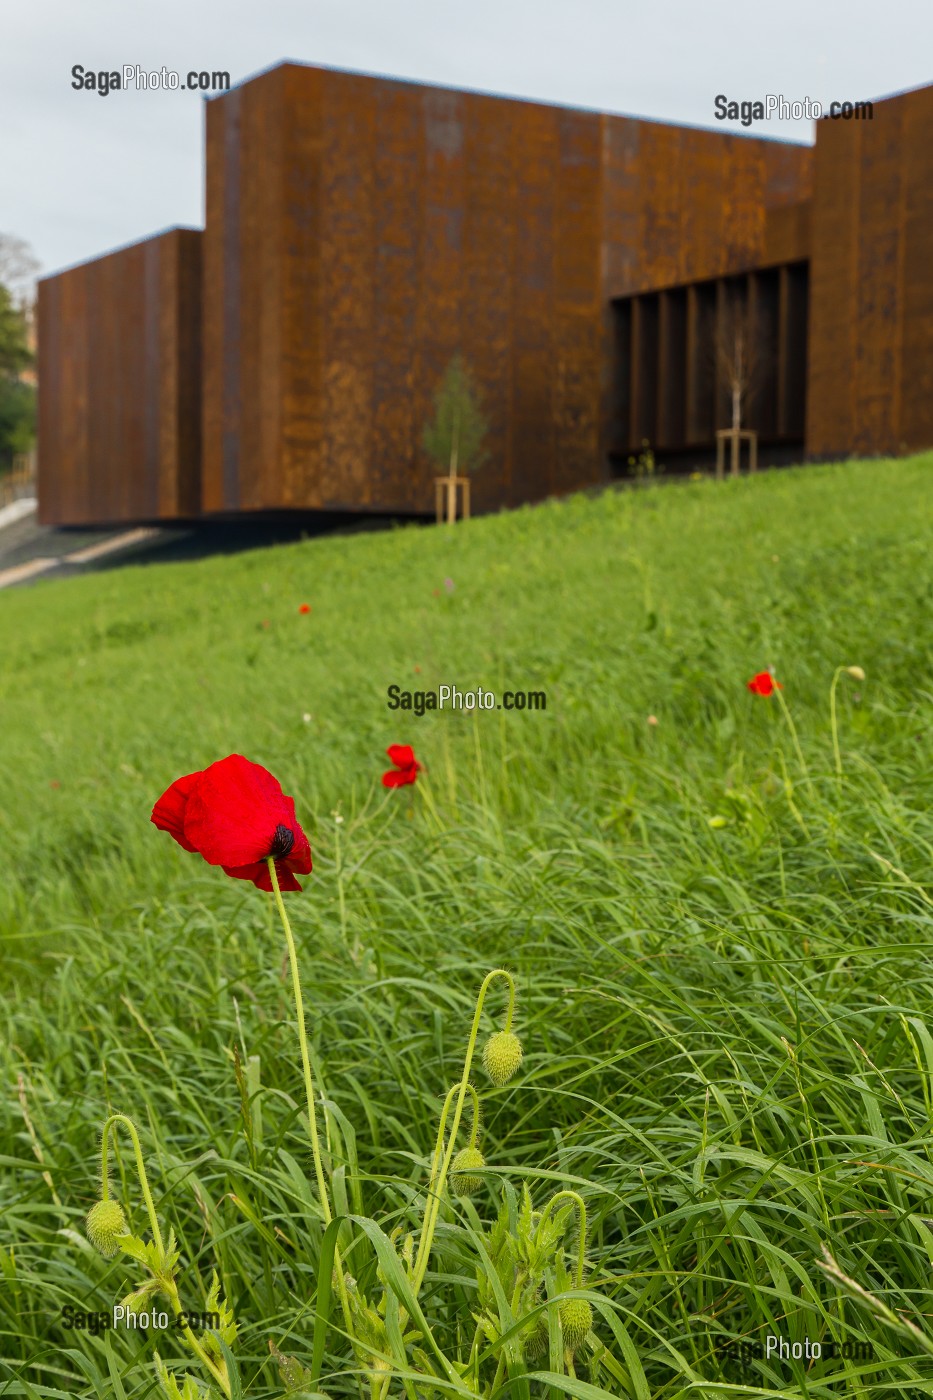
[[728, 1029]]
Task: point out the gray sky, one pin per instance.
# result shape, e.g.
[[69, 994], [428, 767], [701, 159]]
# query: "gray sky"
[[83, 174]]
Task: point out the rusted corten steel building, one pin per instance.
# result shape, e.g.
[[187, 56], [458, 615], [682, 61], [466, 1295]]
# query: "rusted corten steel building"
[[119, 344], [360, 231]]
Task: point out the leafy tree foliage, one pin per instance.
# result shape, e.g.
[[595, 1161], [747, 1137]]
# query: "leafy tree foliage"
[[455, 438], [17, 399]]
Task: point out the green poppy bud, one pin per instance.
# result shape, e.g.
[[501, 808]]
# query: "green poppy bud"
[[535, 1341], [463, 1181], [576, 1319], [855, 672], [502, 1055], [105, 1224]]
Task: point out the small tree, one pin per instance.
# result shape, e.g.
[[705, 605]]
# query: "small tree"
[[454, 439], [739, 359]]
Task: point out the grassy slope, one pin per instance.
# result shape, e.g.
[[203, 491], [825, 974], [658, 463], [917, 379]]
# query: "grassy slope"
[[724, 1027]]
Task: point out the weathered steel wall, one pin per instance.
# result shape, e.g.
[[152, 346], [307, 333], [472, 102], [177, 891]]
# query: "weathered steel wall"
[[682, 205], [360, 231], [871, 284], [119, 385]]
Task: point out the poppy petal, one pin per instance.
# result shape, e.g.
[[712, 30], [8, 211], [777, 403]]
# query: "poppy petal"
[[402, 755], [763, 684], [258, 872], [168, 814], [232, 814], [299, 858], [396, 777]]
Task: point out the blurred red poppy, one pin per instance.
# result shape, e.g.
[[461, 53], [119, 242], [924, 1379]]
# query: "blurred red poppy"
[[235, 815], [305, 608], [763, 684], [406, 766]]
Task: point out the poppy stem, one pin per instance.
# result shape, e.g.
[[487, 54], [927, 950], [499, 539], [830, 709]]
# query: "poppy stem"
[[309, 1092], [341, 900], [832, 720], [130, 1126], [439, 1145], [218, 1371], [303, 1043], [793, 733], [433, 1205]]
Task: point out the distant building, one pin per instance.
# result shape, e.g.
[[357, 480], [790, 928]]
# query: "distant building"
[[360, 231]]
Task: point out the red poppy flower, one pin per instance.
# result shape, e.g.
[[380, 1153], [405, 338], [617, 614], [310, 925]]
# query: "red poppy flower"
[[305, 608], [406, 766], [763, 684], [235, 815]]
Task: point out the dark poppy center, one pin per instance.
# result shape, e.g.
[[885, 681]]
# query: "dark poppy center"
[[282, 842]]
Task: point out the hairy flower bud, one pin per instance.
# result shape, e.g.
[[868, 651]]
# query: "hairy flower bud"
[[535, 1341], [576, 1319], [463, 1178], [502, 1055], [855, 672], [105, 1224]]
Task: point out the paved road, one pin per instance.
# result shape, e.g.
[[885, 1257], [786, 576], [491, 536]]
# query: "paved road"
[[30, 551]]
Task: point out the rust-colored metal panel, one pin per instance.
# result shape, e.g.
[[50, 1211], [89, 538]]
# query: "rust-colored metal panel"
[[787, 233], [915, 429], [413, 223], [243, 300], [303, 291], [442, 313], [793, 305], [878, 285], [672, 368], [742, 183], [535, 155], [833, 284], [871, 285], [354, 282], [700, 392], [119, 393], [577, 327], [661, 202], [681, 206], [399, 203], [485, 283]]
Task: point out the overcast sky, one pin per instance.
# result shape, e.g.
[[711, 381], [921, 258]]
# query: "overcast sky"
[[82, 174]]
